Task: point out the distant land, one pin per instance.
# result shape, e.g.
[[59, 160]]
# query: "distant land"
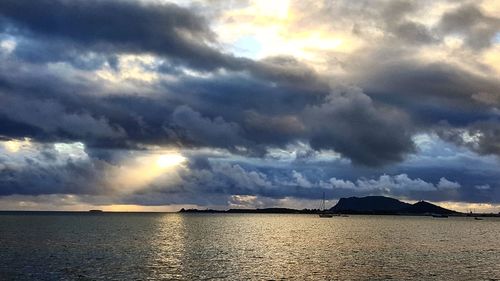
[[369, 205], [386, 205], [254, 211]]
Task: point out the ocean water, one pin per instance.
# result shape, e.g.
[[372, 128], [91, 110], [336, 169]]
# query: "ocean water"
[[114, 246]]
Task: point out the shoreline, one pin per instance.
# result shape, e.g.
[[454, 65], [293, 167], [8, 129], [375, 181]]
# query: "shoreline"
[[315, 212], [239, 211]]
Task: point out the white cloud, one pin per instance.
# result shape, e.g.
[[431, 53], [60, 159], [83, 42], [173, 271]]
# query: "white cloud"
[[447, 184], [483, 187], [300, 180], [385, 183], [394, 183]]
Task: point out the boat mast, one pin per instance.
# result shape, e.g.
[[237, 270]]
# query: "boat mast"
[[322, 207]]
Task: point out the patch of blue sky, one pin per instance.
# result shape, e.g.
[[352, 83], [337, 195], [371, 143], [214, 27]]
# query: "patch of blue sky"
[[247, 46], [496, 38]]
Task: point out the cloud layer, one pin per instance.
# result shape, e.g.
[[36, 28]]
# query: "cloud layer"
[[259, 103]]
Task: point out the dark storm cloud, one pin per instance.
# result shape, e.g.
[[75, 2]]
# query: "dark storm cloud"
[[412, 33], [331, 124], [48, 107], [225, 111], [434, 94], [82, 31], [55, 119], [245, 106], [49, 177], [394, 15], [203, 131], [408, 81], [345, 120], [256, 113], [473, 24], [111, 26], [482, 137]]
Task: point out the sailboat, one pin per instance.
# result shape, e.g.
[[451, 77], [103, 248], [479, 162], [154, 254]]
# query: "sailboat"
[[323, 212], [472, 214]]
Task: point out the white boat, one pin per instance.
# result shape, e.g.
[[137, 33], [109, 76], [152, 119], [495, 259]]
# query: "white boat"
[[441, 216], [326, 215]]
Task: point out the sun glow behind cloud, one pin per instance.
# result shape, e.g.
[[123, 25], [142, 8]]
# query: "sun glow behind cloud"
[[139, 172], [132, 67], [267, 29], [14, 146], [169, 160]]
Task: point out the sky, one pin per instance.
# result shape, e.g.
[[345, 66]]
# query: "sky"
[[155, 105]]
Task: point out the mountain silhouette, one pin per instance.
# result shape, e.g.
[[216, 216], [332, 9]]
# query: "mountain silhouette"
[[385, 205], [423, 207]]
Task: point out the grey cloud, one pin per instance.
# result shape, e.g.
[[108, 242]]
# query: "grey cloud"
[[431, 92], [397, 10], [221, 181], [447, 184], [29, 49], [51, 117], [270, 116], [202, 131], [287, 71], [350, 123], [471, 22], [164, 29], [280, 91], [412, 33], [72, 177], [229, 111], [243, 105], [392, 20], [483, 187], [283, 126], [394, 14], [212, 181], [482, 137]]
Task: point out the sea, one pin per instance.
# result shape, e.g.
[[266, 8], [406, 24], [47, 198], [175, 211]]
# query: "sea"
[[199, 246]]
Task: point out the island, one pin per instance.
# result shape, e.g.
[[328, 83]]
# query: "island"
[[369, 205]]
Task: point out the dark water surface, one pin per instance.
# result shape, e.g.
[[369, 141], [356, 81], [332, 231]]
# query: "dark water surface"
[[80, 246]]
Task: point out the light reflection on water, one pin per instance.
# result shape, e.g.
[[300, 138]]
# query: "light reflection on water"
[[246, 246]]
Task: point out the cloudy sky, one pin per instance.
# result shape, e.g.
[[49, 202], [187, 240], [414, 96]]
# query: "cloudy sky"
[[157, 105]]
